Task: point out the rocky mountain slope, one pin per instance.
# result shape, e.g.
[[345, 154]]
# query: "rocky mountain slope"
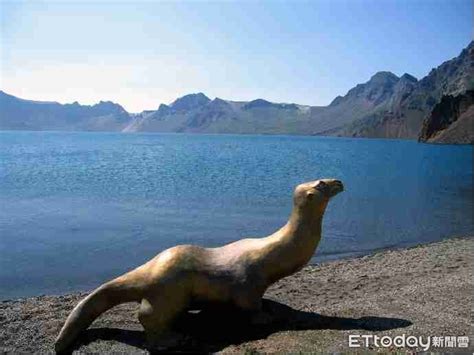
[[19, 114], [386, 106], [451, 121], [402, 116]]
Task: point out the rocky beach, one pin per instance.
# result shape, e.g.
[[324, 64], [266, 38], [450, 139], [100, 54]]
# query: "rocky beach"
[[424, 291]]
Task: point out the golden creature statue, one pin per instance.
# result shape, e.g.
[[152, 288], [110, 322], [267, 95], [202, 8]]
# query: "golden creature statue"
[[189, 277]]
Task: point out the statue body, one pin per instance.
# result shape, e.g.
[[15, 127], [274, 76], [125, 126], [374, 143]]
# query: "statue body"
[[188, 276]]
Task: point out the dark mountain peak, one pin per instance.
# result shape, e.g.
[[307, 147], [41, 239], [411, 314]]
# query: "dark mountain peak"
[[217, 102], [383, 77], [451, 77], [105, 103], [469, 50], [337, 100], [408, 77], [377, 90], [163, 108], [258, 103], [102, 108], [108, 105], [189, 102]]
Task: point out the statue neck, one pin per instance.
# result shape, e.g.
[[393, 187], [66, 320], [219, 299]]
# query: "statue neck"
[[294, 244]]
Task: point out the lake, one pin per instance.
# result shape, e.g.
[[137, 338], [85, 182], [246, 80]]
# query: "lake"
[[77, 209]]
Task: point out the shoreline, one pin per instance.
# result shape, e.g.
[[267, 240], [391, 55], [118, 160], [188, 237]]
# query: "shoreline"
[[394, 139], [423, 290], [225, 134]]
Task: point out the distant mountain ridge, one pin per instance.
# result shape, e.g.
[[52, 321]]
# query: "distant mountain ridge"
[[386, 106], [20, 114]]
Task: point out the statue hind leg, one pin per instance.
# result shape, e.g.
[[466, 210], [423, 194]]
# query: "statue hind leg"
[[157, 313]]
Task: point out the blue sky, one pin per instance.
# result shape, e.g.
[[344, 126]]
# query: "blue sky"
[[143, 53]]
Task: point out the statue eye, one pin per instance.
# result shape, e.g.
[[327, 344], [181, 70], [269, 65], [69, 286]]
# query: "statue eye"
[[321, 185]]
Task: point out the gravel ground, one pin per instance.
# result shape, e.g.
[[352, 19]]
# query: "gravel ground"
[[422, 291]]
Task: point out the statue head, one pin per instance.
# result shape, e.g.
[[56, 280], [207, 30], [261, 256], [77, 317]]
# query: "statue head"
[[314, 195]]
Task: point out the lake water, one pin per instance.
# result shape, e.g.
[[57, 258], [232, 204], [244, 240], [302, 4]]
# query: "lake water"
[[77, 209]]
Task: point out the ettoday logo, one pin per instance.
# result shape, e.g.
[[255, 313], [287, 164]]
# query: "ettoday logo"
[[404, 341]]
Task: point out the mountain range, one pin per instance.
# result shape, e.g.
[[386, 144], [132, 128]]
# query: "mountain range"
[[386, 106]]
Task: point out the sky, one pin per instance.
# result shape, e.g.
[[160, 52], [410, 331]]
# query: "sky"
[[143, 53]]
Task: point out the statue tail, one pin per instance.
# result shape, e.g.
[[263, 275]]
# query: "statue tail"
[[103, 298]]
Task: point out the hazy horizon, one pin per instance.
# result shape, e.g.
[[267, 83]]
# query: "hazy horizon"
[[143, 54]]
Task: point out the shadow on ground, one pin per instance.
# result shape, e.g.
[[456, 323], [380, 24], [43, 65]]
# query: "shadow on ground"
[[213, 331]]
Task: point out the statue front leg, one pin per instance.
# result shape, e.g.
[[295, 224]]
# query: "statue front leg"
[[156, 314]]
